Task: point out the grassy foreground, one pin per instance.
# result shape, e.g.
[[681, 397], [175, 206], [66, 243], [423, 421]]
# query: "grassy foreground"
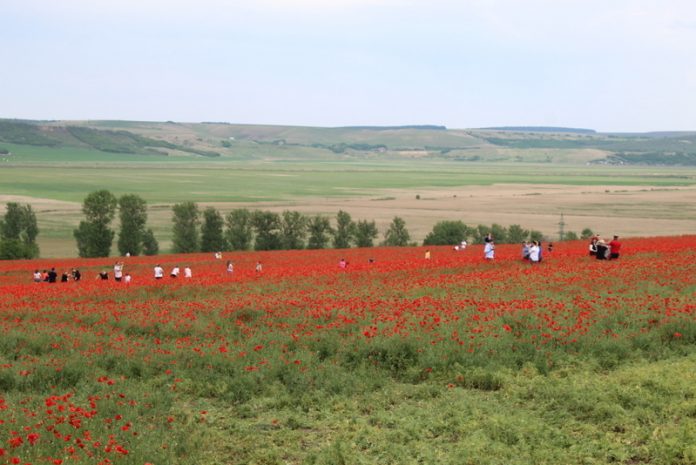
[[400, 360]]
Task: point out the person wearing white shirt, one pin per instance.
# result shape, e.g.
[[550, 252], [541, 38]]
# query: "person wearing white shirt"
[[187, 272], [118, 271], [159, 272], [534, 252], [175, 272], [489, 250]]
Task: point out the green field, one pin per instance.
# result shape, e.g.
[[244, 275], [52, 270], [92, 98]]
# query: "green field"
[[291, 167], [250, 181]]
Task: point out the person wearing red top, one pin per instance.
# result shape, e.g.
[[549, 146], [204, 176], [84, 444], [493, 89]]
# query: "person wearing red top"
[[615, 247]]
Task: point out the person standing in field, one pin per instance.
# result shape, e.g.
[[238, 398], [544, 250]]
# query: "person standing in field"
[[489, 250], [159, 272], [175, 272], [427, 254], [602, 250], [525, 250], [593, 246], [534, 253], [127, 278], [259, 267], [230, 267], [187, 272], [614, 248], [118, 271]]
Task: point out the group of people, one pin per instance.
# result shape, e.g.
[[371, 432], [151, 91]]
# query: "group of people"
[[602, 250], [51, 276], [119, 275], [174, 273], [533, 251]]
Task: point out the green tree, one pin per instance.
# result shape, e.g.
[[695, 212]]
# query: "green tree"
[[500, 233], [93, 235], [344, 233], [365, 233], [212, 236], [30, 233], [267, 228], [293, 230], [319, 228], [516, 234], [150, 244], [536, 235], [480, 233], [586, 233], [12, 249], [18, 232], [397, 235], [13, 222], [132, 211], [446, 233], [570, 236], [240, 232], [185, 229]]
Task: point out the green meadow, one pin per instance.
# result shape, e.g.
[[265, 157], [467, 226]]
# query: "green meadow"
[[228, 180]]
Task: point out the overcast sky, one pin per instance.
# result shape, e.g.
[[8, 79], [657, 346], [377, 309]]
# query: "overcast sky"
[[610, 65]]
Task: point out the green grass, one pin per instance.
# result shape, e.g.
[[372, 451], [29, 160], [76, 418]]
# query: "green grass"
[[32, 172], [627, 416]]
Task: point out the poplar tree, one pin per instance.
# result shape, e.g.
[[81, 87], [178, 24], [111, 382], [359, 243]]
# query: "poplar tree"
[[185, 228], [365, 233], [18, 232], [239, 232], [319, 228], [212, 236], [94, 236], [132, 212], [397, 235], [267, 228], [293, 230], [345, 230]]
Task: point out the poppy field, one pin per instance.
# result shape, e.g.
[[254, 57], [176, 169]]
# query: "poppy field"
[[392, 359]]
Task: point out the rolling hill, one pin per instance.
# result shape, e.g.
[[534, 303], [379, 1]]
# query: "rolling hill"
[[247, 141]]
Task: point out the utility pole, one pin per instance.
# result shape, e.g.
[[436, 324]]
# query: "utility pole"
[[561, 228]]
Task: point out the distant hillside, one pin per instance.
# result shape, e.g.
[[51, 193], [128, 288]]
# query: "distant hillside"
[[519, 144], [387, 128], [542, 129], [113, 141]]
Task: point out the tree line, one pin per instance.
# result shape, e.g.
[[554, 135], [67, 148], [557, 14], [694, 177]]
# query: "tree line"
[[94, 235], [243, 229], [208, 230]]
